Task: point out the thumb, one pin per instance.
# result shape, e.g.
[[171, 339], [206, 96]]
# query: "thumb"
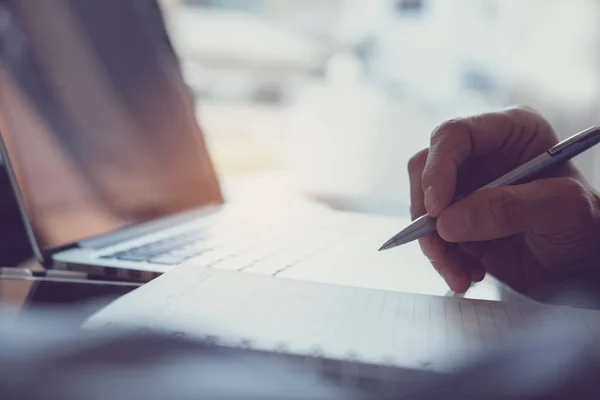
[[494, 213]]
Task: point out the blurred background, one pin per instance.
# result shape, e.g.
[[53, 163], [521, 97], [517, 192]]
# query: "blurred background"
[[330, 98]]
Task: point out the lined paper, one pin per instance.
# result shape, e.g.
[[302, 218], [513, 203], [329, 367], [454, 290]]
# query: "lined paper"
[[346, 323]]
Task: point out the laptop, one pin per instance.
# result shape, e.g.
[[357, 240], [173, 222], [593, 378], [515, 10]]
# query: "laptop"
[[98, 132]]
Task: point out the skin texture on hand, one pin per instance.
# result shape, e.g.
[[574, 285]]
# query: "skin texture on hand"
[[530, 236]]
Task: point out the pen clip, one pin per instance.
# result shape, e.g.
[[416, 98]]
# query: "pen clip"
[[589, 133]]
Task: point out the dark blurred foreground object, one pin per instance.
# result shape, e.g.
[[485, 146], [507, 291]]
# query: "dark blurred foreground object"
[[14, 246], [550, 362]]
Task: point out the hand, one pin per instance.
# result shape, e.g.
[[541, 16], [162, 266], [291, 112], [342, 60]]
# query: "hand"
[[532, 236]]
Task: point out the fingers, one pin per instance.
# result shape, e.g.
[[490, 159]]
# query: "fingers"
[[477, 274], [483, 146], [456, 141], [454, 265], [457, 268], [500, 212], [415, 171], [476, 249]]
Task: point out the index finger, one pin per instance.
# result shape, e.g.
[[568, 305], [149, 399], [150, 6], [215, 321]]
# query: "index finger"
[[456, 141]]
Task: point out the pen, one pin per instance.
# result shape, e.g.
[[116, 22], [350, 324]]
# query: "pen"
[[562, 152]]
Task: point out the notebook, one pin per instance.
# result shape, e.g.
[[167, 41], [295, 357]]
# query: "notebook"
[[324, 321]]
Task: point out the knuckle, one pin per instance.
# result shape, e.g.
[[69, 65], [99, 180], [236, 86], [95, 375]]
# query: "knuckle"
[[447, 128], [525, 110], [478, 120], [505, 210], [529, 119], [460, 129]]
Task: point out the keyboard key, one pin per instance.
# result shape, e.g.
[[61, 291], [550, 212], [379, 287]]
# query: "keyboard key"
[[176, 256], [199, 247], [234, 263], [259, 252], [132, 257], [266, 267], [206, 259], [185, 252], [160, 247], [167, 259]]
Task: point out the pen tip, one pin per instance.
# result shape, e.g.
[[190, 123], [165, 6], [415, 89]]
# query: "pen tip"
[[386, 246]]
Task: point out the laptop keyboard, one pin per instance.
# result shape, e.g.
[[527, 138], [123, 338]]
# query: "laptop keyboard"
[[263, 252], [170, 251]]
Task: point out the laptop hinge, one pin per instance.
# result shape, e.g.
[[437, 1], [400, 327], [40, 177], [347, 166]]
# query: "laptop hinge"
[[47, 254]]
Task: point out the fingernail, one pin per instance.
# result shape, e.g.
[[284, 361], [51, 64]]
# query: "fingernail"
[[431, 201]]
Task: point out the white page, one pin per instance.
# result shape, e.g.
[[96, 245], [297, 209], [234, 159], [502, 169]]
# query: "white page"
[[373, 326]]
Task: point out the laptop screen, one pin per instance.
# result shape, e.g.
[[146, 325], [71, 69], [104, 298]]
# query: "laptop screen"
[[97, 124]]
